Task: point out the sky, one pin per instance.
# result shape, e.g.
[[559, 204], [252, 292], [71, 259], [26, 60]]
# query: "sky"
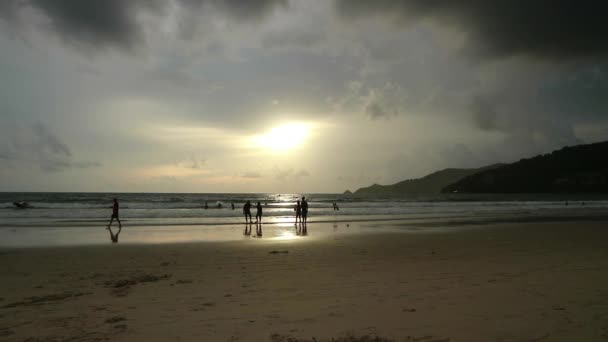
[[290, 95]]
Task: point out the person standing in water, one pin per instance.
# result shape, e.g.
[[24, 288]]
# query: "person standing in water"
[[232, 204], [304, 210], [298, 210], [258, 214], [247, 211], [115, 215]]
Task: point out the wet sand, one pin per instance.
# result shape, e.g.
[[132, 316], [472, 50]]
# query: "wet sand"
[[506, 282]]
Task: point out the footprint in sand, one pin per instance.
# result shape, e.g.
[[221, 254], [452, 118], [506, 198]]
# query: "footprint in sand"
[[115, 319]]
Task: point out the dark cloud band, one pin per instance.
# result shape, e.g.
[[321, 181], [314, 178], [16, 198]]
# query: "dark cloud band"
[[114, 23], [548, 29]]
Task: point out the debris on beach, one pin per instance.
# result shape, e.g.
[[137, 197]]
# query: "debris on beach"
[[45, 299], [277, 252], [135, 280]]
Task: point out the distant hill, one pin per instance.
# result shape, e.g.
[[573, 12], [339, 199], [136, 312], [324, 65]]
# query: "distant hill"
[[429, 184], [582, 169]]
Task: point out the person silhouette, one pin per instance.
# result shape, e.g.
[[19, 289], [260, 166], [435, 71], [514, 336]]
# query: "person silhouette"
[[115, 208], [206, 205], [304, 210], [232, 204], [298, 210], [247, 211], [258, 214]]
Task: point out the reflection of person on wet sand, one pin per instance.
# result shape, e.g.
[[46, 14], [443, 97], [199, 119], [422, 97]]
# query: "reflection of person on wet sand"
[[298, 210], [247, 231], [114, 237], [114, 215], [258, 229], [301, 230]]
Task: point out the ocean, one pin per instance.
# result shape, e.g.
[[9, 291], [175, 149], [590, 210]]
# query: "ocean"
[[173, 212]]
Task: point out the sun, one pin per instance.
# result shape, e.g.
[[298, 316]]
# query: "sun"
[[284, 137]]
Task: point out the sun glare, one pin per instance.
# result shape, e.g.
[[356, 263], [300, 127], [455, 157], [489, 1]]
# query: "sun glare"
[[284, 137]]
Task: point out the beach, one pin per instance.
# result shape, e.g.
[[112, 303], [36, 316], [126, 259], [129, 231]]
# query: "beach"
[[544, 281]]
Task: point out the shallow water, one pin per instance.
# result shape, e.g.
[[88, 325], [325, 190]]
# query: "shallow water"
[[80, 218]]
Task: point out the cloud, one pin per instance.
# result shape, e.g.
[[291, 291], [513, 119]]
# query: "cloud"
[[385, 101], [546, 29], [193, 163], [485, 116], [118, 23], [8, 8], [302, 173], [91, 24], [290, 173], [237, 9], [251, 174], [291, 38], [36, 145]]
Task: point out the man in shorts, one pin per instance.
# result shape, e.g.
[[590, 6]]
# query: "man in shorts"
[[247, 212], [115, 214], [298, 210], [304, 210]]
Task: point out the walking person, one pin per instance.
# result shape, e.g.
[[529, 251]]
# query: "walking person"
[[304, 210], [298, 210], [247, 212], [115, 215], [258, 214]]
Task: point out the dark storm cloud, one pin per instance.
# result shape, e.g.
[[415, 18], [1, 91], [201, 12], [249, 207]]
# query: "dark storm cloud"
[[548, 29], [8, 8], [114, 23], [89, 23], [237, 9], [484, 114]]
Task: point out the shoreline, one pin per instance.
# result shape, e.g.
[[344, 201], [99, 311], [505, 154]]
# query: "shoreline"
[[73, 235]]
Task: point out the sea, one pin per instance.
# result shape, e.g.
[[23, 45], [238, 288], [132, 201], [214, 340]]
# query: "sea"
[[50, 215]]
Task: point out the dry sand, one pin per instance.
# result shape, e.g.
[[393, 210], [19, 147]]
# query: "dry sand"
[[510, 282]]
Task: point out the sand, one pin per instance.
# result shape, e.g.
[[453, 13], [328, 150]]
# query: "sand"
[[508, 282]]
